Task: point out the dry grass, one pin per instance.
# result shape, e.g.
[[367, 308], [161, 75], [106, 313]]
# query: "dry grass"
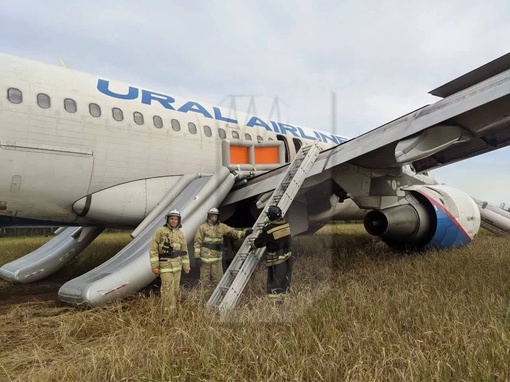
[[358, 312]]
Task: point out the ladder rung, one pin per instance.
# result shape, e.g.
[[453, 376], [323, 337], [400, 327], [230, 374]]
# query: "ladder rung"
[[226, 295]]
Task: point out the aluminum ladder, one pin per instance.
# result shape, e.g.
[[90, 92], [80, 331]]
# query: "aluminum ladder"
[[236, 277]]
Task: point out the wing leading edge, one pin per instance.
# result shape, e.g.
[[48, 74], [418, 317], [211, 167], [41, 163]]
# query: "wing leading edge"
[[473, 121]]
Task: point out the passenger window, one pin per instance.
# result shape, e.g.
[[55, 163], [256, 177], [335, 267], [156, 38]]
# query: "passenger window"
[[43, 100], [269, 139], [94, 110], [70, 105], [192, 128], [207, 131], [138, 117], [117, 114], [176, 125], [259, 138], [222, 133], [235, 134], [14, 95], [158, 122], [247, 136]]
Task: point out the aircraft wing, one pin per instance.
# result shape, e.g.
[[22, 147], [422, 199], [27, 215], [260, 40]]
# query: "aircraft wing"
[[473, 118]]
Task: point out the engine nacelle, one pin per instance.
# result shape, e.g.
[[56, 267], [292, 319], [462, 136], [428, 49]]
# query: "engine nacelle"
[[430, 217]]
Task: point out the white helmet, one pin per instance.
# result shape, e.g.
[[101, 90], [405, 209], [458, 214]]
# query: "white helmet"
[[174, 212], [213, 211]]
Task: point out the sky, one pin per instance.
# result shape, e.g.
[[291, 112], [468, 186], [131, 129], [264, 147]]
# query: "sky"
[[380, 58]]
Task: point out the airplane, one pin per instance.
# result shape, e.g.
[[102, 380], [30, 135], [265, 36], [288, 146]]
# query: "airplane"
[[86, 153]]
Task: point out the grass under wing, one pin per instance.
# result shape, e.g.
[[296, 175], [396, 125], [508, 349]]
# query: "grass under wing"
[[357, 312]]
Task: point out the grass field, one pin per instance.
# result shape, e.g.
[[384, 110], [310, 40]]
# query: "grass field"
[[358, 312]]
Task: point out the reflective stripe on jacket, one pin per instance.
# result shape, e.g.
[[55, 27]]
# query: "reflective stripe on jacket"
[[209, 240], [276, 237], [273, 258], [177, 241]]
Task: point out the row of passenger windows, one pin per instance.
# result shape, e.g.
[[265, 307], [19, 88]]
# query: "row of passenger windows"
[[44, 101]]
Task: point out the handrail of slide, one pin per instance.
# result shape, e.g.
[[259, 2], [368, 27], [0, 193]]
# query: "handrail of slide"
[[129, 270], [50, 257], [164, 202]]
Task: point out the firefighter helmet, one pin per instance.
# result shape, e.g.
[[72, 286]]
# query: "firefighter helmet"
[[213, 211], [274, 213], [175, 213]]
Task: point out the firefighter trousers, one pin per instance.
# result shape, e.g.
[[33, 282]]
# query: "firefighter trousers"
[[279, 277], [170, 282], [210, 274]]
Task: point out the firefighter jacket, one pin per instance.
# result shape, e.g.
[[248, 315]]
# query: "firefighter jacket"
[[276, 237], [209, 240], [168, 250]]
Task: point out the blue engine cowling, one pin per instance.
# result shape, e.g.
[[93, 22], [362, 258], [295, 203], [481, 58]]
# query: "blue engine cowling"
[[430, 217]]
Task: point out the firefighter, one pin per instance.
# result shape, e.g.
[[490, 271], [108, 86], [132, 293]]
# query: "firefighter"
[[208, 246], [169, 256], [229, 250], [276, 237]]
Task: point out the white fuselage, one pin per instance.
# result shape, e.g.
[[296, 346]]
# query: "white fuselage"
[[66, 134]]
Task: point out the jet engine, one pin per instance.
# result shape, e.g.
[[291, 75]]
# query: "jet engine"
[[429, 217]]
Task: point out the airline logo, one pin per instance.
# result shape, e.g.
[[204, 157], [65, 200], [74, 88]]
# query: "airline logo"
[[148, 97]]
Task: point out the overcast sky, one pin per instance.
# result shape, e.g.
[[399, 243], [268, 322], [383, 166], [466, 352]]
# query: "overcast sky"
[[381, 58]]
